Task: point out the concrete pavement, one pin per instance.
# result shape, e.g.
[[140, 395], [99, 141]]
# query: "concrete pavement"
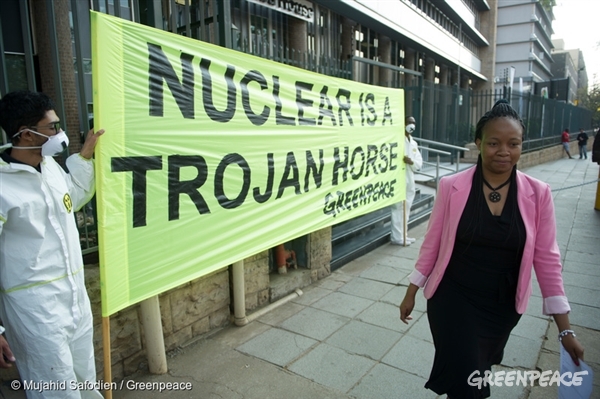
[[343, 338]]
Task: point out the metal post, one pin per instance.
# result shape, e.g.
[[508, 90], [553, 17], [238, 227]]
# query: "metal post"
[[224, 22], [457, 161], [26, 32], [59, 104], [80, 74], [437, 171], [3, 74]]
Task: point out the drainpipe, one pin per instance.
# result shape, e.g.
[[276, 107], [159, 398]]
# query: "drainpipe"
[[155, 343], [274, 305], [239, 294], [239, 298]]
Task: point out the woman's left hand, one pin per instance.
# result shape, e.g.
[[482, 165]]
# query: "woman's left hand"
[[573, 347]]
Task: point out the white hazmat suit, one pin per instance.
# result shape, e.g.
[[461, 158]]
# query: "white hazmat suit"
[[43, 300], [399, 220]]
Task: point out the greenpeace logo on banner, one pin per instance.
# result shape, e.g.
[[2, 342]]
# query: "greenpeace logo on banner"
[[299, 9]]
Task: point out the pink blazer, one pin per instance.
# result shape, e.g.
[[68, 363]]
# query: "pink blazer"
[[541, 249]]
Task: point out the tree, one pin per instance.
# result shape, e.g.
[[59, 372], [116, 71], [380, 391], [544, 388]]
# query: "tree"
[[548, 4], [591, 101]]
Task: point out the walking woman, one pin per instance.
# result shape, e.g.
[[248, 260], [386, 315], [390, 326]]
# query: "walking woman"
[[490, 225]]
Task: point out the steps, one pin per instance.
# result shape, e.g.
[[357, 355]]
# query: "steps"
[[356, 237]]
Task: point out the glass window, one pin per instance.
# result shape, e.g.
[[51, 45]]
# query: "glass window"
[[16, 72]]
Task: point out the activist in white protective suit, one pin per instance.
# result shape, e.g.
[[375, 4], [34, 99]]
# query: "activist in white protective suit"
[[413, 162], [44, 304]]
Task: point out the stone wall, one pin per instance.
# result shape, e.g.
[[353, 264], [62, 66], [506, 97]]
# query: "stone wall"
[[536, 157], [187, 311], [193, 309]]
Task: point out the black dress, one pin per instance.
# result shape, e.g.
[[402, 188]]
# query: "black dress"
[[473, 310]]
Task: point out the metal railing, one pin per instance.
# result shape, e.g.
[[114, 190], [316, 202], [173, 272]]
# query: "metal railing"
[[456, 150]]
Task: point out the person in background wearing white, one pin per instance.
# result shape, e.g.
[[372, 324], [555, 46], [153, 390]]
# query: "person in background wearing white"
[[413, 161]]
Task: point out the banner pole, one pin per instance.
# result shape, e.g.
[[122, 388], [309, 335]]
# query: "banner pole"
[[107, 361]]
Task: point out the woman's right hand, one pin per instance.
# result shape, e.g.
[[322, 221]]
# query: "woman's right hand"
[[406, 308], [408, 303]]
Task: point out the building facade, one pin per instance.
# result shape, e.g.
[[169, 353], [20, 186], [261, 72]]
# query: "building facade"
[[569, 65], [524, 46]]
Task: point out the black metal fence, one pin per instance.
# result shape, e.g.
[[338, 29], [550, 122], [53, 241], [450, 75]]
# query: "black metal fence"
[[449, 115]]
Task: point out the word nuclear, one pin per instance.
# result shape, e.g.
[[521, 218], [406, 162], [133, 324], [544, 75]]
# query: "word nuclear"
[[160, 69]]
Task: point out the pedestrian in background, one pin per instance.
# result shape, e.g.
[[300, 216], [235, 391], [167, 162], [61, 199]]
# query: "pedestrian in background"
[[490, 225], [44, 303], [565, 138], [412, 163], [582, 139]]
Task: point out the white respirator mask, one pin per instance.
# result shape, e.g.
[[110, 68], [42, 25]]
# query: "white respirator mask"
[[53, 146]]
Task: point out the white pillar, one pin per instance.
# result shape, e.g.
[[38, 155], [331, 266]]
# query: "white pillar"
[[239, 294]]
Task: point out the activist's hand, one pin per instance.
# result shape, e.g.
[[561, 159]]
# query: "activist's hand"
[[408, 160], [573, 347], [87, 151], [6, 355]]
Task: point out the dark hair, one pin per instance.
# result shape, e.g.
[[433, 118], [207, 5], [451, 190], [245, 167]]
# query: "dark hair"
[[501, 109], [407, 118], [22, 108]]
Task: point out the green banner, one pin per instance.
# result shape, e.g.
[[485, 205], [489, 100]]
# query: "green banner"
[[211, 156]]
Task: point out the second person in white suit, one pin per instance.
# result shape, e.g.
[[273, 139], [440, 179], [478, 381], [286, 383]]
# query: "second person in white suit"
[[413, 162]]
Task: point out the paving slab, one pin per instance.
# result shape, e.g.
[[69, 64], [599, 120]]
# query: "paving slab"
[[311, 295], [366, 288], [342, 304], [521, 352], [419, 328], [277, 346], [583, 296], [332, 367], [531, 327], [412, 355], [385, 274], [314, 323], [586, 316], [385, 315], [364, 339], [390, 383]]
